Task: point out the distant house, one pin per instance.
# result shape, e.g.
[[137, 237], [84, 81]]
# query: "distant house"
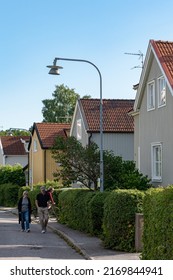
[[41, 164], [153, 114], [118, 125], [14, 150]]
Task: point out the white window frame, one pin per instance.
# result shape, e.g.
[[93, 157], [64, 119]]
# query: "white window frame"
[[79, 129], [151, 95], [156, 162], [161, 85]]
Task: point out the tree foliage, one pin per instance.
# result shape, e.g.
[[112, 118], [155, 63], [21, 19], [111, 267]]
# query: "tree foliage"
[[82, 164], [77, 163], [15, 132], [61, 107]]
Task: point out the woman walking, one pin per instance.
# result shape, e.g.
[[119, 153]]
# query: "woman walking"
[[24, 210]]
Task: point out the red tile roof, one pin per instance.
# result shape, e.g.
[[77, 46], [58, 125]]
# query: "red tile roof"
[[115, 114], [47, 132], [164, 52], [12, 145]]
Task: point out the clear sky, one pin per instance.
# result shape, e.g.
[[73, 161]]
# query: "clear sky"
[[34, 32]]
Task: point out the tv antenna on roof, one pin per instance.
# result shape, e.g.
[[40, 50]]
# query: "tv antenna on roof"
[[141, 56]]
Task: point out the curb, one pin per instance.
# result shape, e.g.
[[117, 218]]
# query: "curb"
[[71, 242]]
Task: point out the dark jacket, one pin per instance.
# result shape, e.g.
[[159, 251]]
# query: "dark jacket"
[[20, 208]]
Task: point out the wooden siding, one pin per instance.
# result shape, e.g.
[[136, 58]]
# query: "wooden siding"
[[84, 138], [122, 144], [51, 165], [155, 126], [43, 164]]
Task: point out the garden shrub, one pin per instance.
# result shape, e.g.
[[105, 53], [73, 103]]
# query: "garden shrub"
[[9, 195], [12, 174], [158, 224], [119, 219], [74, 209], [96, 208]]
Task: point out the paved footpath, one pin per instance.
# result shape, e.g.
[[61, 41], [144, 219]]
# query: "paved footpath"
[[90, 247]]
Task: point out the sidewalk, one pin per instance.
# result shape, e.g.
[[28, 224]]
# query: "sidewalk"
[[89, 246]]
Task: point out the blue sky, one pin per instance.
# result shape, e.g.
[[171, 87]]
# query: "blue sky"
[[34, 32]]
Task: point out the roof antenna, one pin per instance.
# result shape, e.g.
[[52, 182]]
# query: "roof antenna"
[[141, 56]]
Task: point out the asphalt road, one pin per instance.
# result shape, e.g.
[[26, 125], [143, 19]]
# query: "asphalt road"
[[15, 244]]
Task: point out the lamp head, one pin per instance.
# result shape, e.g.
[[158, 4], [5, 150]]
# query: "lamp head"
[[54, 69]]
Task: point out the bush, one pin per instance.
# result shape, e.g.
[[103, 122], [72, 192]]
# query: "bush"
[[96, 208], [9, 195], [120, 174], [119, 219], [12, 174], [158, 224], [74, 208]]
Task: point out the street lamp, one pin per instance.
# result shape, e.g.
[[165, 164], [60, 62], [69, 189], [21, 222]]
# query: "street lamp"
[[54, 70]]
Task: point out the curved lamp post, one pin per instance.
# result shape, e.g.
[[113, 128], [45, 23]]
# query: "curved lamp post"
[[54, 70]]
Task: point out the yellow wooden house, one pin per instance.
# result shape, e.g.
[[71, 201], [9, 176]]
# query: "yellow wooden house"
[[41, 164]]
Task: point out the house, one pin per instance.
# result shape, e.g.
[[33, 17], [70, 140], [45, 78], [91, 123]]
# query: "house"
[[153, 114], [41, 164], [14, 150], [118, 125]]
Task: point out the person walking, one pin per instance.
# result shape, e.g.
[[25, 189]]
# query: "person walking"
[[24, 211], [50, 193], [42, 203]]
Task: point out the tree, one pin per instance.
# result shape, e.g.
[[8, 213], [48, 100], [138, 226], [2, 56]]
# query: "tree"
[[15, 132], [82, 164], [77, 163], [60, 109]]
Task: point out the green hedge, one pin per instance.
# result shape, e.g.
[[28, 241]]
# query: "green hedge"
[[74, 208], [119, 219], [158, 224], [96, 210], [9, 195], [12, 174]]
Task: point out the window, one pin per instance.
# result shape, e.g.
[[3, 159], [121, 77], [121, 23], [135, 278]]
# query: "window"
[[156, 161], [79, 130], [35, 145], [161, 92], [151, 96]]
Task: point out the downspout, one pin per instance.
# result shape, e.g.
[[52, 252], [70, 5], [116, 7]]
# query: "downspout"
[[89, 139], [45, 166]]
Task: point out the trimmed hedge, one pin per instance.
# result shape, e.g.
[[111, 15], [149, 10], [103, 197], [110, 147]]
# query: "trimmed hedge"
[[96, 210], [9, 195], [158, 224], [12, 174], [74, 208], [119, 219]]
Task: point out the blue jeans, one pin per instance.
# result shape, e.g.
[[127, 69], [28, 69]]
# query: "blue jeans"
[[25, 220]]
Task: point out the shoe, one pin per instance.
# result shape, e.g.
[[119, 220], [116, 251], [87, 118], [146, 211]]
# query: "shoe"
[[43, 231], [28, 230], [22, 230]]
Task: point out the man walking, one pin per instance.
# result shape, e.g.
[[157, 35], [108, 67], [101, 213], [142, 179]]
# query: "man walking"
[[42, 201]]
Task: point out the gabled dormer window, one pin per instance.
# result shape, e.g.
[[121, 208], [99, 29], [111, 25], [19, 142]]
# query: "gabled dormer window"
[[161, 92], [151, 96]]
